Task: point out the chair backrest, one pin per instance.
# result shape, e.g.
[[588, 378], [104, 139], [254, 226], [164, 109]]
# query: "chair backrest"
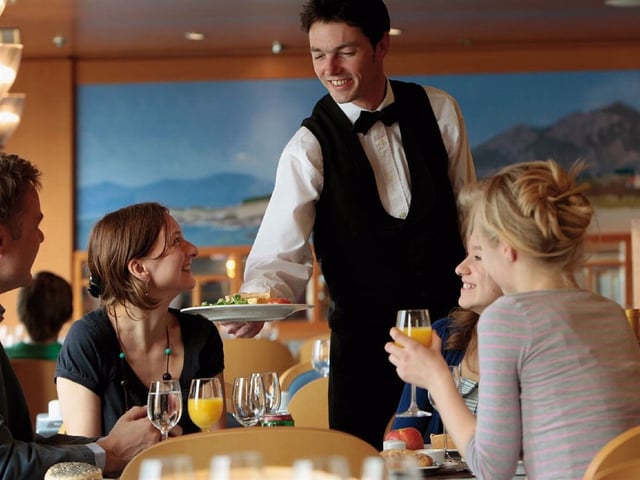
[[244, 356], [619, 450], [309, 406], [306, 347], [292, 372], [279, 446], [36, 378]]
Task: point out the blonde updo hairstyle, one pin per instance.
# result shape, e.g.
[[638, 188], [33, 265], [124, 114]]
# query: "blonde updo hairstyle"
[[119, 237], [536, 207]]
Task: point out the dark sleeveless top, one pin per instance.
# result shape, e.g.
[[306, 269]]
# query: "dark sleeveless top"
[[372, 261]]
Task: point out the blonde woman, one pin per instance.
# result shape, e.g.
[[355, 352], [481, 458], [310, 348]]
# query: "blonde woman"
[[560, 366]]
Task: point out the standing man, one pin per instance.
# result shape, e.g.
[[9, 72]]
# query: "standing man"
[[21, 455], [378, 198]]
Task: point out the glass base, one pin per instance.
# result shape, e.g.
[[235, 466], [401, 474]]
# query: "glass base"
[[413, 413]]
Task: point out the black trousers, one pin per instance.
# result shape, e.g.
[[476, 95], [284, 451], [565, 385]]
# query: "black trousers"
[[364, 388]]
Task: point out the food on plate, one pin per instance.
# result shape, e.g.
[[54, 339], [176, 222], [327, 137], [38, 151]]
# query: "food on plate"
[[394, 456], [247, 299], [411, 437], [437, 441]]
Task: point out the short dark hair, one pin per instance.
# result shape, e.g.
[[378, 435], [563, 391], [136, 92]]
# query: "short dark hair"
[[370, 16], [45, 305], [17, 176]]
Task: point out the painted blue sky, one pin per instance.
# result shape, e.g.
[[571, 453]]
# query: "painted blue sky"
[[136, 134]]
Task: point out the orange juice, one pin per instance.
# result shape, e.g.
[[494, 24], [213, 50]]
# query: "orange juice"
[[205, 412], [421, 334]]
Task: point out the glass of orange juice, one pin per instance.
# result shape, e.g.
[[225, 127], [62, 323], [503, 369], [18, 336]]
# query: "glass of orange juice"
[[205, 402], [415, 323]]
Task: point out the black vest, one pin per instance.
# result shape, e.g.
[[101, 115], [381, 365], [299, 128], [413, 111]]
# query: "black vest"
[[371, 261]]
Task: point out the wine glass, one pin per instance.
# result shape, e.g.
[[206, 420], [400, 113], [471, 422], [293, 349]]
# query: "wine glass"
[[417, 325], [164, 405], [205, 402], [246, 465], [248, 400], [176, 467], [272, 391], [320, 356], [455, 373]]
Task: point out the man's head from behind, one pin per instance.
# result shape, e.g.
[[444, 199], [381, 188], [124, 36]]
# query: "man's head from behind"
[[20, 217], [371, 16]]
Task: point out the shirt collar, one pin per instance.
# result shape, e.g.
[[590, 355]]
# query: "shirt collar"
[[352, 111]]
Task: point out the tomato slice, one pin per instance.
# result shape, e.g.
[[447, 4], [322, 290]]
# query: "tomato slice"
[[278, 300]]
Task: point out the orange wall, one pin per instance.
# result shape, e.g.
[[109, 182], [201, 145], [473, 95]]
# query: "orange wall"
[[46, 133]]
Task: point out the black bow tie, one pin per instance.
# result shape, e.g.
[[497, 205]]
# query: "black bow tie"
[[388, 115]]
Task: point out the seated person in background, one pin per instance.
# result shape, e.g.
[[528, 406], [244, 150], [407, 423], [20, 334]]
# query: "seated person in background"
[[459, 337], [44, 306], [139, 262], [560, 364]]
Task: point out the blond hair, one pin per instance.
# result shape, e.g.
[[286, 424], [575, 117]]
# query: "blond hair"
[[537, 207]]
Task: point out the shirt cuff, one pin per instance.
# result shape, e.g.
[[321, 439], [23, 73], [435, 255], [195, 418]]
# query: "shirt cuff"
[[99, 454]]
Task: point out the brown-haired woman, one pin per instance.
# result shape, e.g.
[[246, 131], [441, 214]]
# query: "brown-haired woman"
[[139, 262]]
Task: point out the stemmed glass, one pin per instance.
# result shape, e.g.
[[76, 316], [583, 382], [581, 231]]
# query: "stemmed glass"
[[272, 391], [417, 325], [248, 400], [205, 402], [455, 372], [176, 467], [320, 356], [164, 405]]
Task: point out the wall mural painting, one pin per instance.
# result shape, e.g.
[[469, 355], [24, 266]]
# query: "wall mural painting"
[[209, 150]]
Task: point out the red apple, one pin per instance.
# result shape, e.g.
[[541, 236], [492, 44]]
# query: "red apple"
[[410, 436]]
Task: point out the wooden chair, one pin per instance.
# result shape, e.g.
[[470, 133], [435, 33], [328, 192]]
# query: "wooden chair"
[[620, 452], [244, 356], [279, 446], [36, 378], [306, 347], [309, 406]]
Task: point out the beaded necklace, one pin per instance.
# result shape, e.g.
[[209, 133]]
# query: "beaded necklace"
[[122, 356]]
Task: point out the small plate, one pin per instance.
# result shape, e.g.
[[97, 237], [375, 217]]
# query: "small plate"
[[263, 312]]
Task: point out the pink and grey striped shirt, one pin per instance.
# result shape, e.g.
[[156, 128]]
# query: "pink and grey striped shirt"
[[560, 377]]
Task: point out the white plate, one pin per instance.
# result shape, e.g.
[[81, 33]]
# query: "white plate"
[[263, 312]]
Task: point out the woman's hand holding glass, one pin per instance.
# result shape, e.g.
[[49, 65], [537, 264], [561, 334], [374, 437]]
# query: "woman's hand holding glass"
[[205, 403], [164, 405]]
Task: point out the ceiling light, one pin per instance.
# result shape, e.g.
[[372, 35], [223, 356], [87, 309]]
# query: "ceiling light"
[[622, 3], [11, 106], [276, 47], [395, 32], [194, 36]]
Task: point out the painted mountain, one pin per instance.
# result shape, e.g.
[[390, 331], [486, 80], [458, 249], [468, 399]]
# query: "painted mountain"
[[608, 139]]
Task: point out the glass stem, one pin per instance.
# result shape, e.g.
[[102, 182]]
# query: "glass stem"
[[413, 406]]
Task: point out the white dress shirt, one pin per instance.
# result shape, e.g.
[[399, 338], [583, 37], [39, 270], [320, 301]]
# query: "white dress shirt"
[[280, 260]]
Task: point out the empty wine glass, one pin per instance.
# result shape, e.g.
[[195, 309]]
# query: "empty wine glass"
[[205, 403], [272, 391], [247, 465], [248, 400], [417, 325], [320, 356], [175, 467], [164, 405]]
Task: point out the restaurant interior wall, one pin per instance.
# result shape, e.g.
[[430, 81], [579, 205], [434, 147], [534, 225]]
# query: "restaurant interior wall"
[[46, 132]]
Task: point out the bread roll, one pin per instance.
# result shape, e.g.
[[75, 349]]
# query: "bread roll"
[[394, 456], [73, 471]]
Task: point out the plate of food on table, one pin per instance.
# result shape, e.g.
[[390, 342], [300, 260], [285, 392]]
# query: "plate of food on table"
[[247, 307]]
